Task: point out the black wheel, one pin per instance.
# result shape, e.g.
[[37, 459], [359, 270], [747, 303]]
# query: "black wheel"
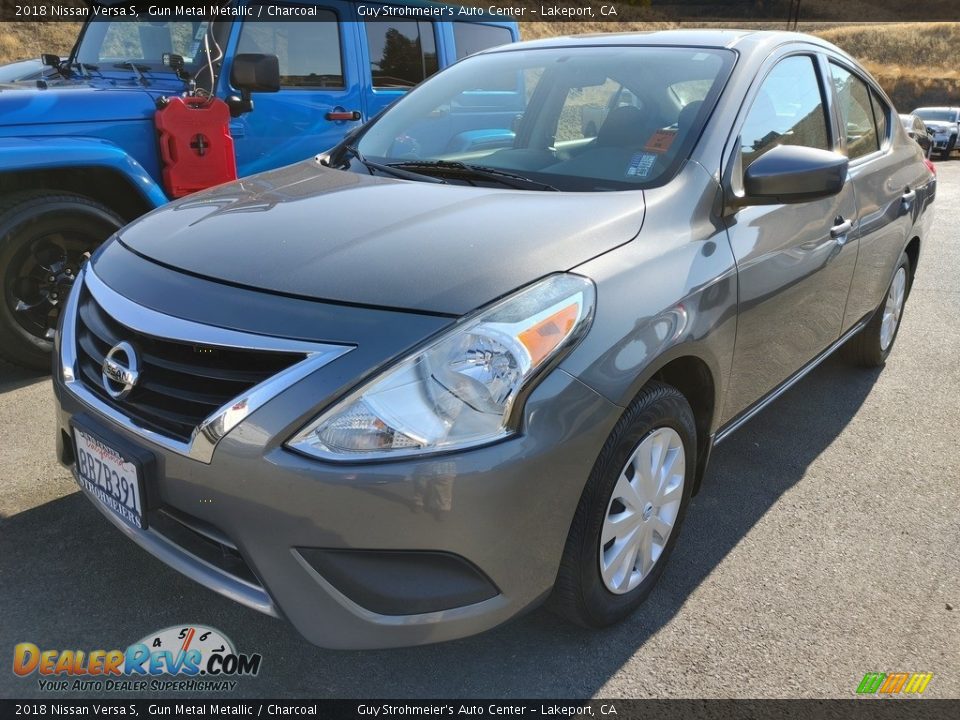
[[44, 239], [871, 346], [630, 512]]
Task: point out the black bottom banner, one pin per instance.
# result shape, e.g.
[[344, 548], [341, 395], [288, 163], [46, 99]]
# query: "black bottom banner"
[[853, 709]]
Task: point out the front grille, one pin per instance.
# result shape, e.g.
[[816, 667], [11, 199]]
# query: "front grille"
[[180, 384]]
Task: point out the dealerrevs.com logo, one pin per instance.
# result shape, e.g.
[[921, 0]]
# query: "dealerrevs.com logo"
[[189, 658], [888, 684]]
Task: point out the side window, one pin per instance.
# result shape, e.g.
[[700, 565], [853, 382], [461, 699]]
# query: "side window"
[[856, 114], [881, 114], [585, 109], [688, 91], [309, 52], [471, 38], [788, 110], [401, 53]]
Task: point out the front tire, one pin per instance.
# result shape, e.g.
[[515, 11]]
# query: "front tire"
[[44, 239], [871, 346], [630, 513]]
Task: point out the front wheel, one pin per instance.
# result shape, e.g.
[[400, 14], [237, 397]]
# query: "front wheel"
[[630, 512], [872, 345], [44, 239]]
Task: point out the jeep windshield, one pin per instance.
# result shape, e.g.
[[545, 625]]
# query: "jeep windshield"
[[571, 118], [936, 115], [126, 45]]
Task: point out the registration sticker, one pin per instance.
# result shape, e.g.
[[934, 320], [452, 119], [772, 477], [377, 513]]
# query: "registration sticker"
[[641, 164], [660, 141]]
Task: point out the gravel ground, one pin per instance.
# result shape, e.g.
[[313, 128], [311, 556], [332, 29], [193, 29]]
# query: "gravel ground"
[[824, 545]]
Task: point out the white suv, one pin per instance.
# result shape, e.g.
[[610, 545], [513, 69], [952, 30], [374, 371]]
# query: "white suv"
[[944, 124]]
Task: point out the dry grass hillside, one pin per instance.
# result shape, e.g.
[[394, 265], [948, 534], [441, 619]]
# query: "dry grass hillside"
[[915, 62], [19, 41]]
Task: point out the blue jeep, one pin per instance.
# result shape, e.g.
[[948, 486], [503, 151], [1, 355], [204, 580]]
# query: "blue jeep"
[[79, 154]]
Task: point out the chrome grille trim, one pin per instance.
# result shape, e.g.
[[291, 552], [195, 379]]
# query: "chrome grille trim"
[[208, 434]]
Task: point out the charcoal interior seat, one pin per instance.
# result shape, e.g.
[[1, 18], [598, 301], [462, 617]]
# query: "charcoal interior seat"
[[623, 134], [623, 127], [688, 114]]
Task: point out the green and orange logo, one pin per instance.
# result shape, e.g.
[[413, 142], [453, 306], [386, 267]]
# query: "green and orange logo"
[[878, 683]]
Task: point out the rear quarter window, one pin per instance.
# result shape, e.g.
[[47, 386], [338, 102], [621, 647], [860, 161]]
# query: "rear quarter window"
[[471, 38]]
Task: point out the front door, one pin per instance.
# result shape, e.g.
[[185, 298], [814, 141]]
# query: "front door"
[[795, 262], [319, 88]]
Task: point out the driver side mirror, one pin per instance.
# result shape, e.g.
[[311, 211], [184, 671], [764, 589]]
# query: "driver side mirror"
[[252, 72], [50, 60], [793, 174]]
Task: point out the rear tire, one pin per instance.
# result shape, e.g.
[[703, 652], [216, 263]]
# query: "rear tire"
[[599, 583], [872, 345], [44, 239]]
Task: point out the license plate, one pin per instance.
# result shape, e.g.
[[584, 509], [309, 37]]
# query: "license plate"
[[111, 477]]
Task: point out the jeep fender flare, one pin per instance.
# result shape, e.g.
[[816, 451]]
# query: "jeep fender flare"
[[32, 154]]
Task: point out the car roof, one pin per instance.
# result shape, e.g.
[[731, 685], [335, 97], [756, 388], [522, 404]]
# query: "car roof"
[[736, 39]]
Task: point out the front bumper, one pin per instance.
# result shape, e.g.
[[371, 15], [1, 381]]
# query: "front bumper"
[[944, 142], [252, 523]]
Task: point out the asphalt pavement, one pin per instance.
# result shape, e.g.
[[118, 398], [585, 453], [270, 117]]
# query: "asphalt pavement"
[[825, 544]]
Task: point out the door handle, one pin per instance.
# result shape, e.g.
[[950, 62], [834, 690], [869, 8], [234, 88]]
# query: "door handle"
[[839, 231], [340, 115]]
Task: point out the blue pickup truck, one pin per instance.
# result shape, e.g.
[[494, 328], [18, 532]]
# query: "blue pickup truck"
[[79, 149]]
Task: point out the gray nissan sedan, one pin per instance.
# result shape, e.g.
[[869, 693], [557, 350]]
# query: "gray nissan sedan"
[[476, 357]]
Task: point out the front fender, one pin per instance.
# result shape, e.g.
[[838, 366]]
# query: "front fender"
[[33, 154]]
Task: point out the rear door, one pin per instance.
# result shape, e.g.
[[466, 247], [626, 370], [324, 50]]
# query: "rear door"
[[467, 38], [320, 89], [795, 262], [395, 55], [885, 176]]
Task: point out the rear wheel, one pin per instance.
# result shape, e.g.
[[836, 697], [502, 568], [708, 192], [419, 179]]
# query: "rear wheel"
[[44, 239], [871, 346], [630, 512]]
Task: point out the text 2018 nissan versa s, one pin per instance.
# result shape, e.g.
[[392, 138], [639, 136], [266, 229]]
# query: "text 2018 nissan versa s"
[[476, 356]]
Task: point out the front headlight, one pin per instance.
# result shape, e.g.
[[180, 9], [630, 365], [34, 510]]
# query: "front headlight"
[[459, 391]]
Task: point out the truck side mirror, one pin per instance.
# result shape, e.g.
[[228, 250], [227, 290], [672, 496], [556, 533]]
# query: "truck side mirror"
[[252, 72], [50, 60]]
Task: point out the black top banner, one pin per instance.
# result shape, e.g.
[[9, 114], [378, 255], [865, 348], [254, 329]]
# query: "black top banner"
[[869, 709], [609, 11]]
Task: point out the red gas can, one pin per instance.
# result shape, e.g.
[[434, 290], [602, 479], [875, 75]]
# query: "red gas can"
[[195, 144]]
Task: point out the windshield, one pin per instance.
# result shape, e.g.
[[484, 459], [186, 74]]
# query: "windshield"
[[576, 118], [936, 115], [106, 43]]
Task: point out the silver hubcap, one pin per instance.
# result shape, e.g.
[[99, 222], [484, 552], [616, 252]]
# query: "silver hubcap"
[[893, 308], [642, 510]]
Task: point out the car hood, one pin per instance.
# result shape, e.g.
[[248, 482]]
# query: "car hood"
[[314, 232], [63, 102]]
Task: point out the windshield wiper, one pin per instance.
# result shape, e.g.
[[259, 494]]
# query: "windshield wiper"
[[475, 172], [137, 69], [86, 68], [375, 167]]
